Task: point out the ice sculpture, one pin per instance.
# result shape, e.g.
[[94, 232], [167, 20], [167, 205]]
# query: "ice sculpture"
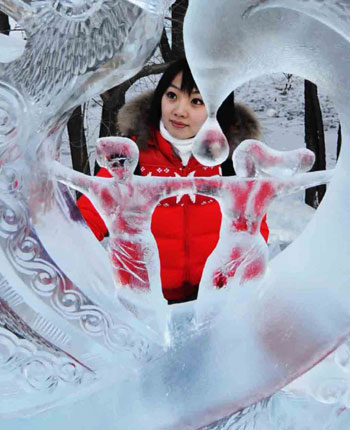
[[68, 347], [126, 203]]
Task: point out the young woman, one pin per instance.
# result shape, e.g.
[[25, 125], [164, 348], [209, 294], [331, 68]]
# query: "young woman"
[[164, 124]]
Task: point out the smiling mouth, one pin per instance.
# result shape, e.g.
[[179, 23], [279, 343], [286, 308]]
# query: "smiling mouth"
[[178, 124]]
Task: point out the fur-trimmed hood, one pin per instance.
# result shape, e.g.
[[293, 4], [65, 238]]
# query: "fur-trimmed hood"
[[132, 121]]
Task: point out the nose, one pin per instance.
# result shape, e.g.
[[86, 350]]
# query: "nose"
[[181, 110]]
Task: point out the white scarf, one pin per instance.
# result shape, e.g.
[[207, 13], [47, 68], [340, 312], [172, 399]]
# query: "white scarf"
[[183, 147]]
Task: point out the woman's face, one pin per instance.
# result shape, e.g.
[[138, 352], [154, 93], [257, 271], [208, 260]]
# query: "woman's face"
[[182, 114]]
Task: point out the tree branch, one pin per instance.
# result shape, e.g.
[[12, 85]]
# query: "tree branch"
[[315, 140], [111, 96], [178, 11], [165, 48]]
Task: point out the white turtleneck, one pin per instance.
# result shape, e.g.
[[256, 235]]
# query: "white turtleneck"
[[183, 147]]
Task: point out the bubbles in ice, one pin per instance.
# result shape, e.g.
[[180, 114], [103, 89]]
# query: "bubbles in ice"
[[342, 357], [331, 390], [210, 147]]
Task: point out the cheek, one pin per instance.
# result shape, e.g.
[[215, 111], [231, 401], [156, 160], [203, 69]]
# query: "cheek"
[[200, 118], [166, 108]]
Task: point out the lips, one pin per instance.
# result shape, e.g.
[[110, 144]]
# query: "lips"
[[178, 124]]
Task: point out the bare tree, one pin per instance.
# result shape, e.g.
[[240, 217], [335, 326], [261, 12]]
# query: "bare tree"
[[77, 142], [77, 139], [339, 141], [178, 10], [4, 24], [314, 139]]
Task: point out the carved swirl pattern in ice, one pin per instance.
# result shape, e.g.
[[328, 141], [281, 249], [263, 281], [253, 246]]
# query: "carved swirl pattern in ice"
[[36, 269], [25, 355]]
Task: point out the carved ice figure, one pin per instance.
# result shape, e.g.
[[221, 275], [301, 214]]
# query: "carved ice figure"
[[241, 254], [126, 203]]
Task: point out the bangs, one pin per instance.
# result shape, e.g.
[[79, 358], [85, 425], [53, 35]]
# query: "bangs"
[[188, 84]]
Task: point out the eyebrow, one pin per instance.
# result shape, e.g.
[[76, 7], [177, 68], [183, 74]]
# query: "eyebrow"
[[195, 91]]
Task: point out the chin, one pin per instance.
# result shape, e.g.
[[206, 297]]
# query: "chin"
[[179, 135]]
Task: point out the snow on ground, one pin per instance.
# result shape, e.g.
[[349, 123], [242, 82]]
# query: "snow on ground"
[[278, 100]]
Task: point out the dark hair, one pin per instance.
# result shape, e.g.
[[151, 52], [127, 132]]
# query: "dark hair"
[[225, 114]]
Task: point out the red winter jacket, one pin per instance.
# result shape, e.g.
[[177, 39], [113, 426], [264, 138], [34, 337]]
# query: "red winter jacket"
[[186, 231]]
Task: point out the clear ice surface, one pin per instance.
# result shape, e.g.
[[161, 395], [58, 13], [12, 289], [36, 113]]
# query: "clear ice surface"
[[86, 339]]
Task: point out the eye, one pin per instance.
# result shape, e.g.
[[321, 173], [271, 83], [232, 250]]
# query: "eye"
[[171, 95], [197, 101]]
